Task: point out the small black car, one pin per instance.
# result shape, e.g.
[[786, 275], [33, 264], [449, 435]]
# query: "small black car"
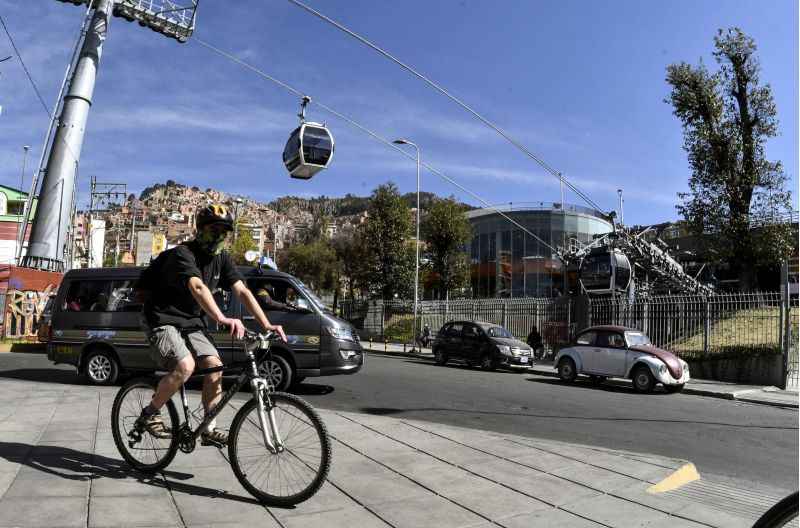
[[485, 344]]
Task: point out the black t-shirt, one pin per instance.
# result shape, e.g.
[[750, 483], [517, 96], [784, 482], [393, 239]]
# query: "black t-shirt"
[[166, 280]]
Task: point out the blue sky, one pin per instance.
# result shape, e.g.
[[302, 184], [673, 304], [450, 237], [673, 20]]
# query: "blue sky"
[[580, 83]]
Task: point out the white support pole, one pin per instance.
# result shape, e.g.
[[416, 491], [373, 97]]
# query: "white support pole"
[[45, 249]]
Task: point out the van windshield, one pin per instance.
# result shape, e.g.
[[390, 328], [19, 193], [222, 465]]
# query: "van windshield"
[[313, 297]]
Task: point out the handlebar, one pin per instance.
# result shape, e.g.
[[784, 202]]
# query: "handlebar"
[[251, 336]]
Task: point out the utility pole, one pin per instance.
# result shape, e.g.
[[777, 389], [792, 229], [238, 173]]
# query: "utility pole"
[[22, 227], [133, 231], [101, 196]]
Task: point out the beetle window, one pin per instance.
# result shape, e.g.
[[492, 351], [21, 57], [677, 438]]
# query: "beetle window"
[[637, 338], [586, 339], [610, 339]]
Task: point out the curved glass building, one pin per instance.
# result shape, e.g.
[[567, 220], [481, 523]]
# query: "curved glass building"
[[507, 262]]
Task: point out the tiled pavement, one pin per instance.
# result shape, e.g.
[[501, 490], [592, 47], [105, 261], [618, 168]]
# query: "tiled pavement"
[[59, 467]]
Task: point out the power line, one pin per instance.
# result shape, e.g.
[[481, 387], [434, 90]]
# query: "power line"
[[453, 98], [374, 135], [22, 62]]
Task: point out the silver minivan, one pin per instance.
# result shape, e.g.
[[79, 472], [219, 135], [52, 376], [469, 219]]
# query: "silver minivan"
[[96, 326]]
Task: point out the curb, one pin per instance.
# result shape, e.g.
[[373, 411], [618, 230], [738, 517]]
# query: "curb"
[[25, 348], [741, 395]]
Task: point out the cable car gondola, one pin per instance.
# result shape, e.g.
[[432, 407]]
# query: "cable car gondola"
[[310, 147], [605, 271]]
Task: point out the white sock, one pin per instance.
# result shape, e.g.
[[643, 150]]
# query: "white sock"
[[211, 425]]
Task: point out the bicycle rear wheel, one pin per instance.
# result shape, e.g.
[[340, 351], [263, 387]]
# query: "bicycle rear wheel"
[[289, 477], [147, 454]]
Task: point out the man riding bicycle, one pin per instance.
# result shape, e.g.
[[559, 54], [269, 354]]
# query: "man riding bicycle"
[[180, 283]]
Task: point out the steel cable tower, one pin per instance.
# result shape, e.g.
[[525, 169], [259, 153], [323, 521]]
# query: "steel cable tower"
[[49, 234]]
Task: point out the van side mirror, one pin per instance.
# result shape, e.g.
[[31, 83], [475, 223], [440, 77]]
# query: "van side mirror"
[[303, 305]]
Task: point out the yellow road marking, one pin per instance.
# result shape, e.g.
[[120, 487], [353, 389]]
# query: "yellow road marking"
[[684, 475]]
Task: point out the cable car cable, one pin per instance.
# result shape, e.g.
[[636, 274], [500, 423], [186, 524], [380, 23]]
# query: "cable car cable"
[[375, 136], [22, 62], [453, 98]]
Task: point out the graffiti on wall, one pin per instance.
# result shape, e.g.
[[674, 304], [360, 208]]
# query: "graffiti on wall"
[[24, 309]]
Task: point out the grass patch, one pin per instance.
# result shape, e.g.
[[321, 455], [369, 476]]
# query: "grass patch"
[[743, 333], [400, 329]]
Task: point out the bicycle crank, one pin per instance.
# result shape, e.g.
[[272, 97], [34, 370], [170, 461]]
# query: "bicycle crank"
[[186, 440]]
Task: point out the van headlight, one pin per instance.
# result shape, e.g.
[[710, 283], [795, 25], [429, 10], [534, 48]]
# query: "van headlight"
[[338, 332]]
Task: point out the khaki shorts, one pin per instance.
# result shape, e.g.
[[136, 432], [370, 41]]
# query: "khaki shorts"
[[168, 345]]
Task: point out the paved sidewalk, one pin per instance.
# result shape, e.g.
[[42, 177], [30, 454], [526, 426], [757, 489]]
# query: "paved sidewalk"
[[59, 467], [717, 389]]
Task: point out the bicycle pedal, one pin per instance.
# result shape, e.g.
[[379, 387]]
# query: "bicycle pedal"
[[209, 442]]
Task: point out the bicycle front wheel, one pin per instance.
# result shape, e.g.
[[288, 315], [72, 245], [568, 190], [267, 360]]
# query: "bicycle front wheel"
[[140, 449], [293, 475]]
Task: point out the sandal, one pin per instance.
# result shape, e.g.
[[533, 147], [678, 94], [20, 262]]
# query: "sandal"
[[215, 438]]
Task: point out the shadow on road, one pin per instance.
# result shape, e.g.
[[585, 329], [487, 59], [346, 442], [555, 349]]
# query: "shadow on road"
[[311, 389], [608, 386], [386, 411], [67, 377], [70, 464]]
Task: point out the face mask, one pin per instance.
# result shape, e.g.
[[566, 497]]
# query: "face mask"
[[210, 242]]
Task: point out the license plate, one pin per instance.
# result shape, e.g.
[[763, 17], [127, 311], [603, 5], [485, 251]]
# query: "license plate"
[[523, 359]]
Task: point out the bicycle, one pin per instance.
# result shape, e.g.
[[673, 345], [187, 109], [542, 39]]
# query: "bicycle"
[[274, 433], [783, 513]]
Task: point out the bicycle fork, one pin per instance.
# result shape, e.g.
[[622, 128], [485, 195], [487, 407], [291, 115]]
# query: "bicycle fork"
[[266, 416]]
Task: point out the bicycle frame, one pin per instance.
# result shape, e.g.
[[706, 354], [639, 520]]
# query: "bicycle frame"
[[260, 389]]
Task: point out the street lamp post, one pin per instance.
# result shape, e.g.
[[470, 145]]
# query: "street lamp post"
[[238, 202], [402, 141], [20, 227]]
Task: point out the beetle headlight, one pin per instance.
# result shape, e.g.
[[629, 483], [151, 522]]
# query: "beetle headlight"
[[662, 369]]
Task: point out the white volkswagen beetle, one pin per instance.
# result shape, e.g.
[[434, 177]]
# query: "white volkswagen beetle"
[[618, 352]]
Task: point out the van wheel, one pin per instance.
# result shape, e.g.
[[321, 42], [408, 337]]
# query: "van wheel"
[[101, 368], [277, 372]]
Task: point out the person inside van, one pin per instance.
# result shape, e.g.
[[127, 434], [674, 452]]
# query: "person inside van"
[[291, 297], [178, 286], [100, 304], [265, 295]]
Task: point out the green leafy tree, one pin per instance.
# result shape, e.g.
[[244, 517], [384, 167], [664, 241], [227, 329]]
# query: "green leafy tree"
[[351, 254], [317, 228], [389, 259], [315, 264], [727, 116], [244, 242], [446, 231]]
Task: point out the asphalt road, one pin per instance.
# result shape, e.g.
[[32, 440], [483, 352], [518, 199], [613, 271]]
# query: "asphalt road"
[[724, 438]]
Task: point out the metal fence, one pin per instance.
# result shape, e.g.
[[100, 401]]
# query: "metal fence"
[[694, 326], [698, 326], [791, 344], [393, 320]]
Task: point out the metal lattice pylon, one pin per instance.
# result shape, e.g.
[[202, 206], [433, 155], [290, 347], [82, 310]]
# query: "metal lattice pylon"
[[174, 19]]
